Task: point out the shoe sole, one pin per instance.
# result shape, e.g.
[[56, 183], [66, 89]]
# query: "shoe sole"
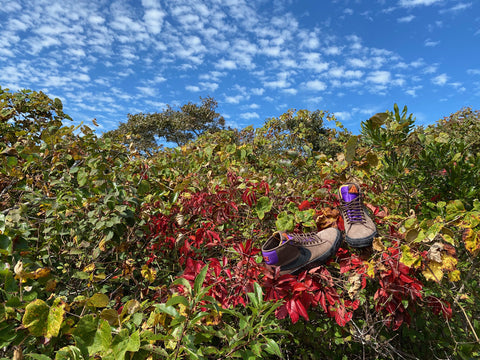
[[322, 259], [362, 242]]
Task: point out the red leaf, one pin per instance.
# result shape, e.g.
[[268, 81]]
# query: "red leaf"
[[305, 205], [292, 311]]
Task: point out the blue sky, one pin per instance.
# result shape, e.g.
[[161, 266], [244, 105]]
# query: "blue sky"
[[257, 58]]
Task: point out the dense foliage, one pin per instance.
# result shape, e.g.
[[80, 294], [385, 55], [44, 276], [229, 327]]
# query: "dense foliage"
[[107, 253], [177, 126]]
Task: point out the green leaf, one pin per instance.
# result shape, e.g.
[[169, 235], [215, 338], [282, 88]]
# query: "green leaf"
[[81, 177], [124, 342], [69, 353], [264, 205], [99, 300], [102, 340], [130, 307], [134, 342], [12, 161], [411, 235], [257, 296], [372, 159], [169, 310], [35, 318], [305, 217], [285, 221], [111, 316], [178, 299], [38, 356], [273, 348], [55, 318], [350, 148], [86, 327], [199, 280], [143, 187]]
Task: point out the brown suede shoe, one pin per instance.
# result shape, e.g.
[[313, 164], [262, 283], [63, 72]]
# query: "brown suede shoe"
[[359, 227], [296, 252]]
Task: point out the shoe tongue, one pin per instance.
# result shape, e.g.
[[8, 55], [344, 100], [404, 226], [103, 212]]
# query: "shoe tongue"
[[284, 237], [349, 192]]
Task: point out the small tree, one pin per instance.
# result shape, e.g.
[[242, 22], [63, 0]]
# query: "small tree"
[[171, 125]]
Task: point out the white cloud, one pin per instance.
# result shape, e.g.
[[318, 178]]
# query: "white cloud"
[[6, 52], [473, 71], [315, 85], [154, 19], [233, 99], [457, 8], [192, 88], [147, 91], [82, 77], [257, 91], [224, 64], [412, 3], [11, 6], [440, 79], [379, 77], [209, 86], [312, 60], [277, 84], [357, 62], [431, 69], [353, 74], [333, 50], [406, 19], [430, 43], [249, 115], [342, 115], [290, 91]]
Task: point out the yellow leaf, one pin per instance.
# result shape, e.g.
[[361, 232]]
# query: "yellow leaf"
[[149, 274], [408, 258], [448, 262], [102, 243], [213, 318], [371, 269], [471, 239], [454, 275], [41, 273], [433, 271], [377, 244], [89, 268]]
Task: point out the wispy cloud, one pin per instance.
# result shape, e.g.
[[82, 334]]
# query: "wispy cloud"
[[440, 79], [413, 3], [457, 8], [249, 115], [430, 43], [406, 19]]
